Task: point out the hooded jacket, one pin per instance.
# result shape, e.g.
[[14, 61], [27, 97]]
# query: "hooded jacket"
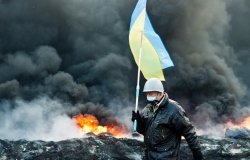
[[162, 126]]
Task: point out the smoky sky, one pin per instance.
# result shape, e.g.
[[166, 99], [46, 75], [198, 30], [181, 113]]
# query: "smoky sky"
[[77, 51]]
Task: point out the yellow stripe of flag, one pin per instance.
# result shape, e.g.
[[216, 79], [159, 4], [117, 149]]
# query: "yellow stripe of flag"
[[154, 56]]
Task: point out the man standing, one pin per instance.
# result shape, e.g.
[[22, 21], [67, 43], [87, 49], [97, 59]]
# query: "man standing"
[[163, 122]]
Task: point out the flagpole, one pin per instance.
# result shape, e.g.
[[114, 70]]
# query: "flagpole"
[[138, 81]]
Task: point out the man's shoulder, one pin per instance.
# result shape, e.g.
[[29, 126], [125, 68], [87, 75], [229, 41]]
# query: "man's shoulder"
[[175, 107]]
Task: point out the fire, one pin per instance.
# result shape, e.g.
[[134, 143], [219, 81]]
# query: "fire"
[[90, 124], [245, 123]]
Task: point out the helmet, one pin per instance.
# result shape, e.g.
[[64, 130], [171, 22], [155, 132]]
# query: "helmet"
[[153, 84]]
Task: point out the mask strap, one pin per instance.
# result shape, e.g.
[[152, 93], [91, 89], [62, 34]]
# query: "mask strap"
[[158, 104], [161, 100]]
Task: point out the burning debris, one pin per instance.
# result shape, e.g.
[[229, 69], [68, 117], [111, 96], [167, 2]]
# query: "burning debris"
[[240, 130], [243, 123], [89, 124]]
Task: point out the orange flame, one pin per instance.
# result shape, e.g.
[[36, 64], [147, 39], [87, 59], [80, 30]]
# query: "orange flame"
[[89, 124], [245, 123]]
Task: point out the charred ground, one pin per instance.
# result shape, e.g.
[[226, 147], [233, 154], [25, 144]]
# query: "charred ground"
[[106, 147]]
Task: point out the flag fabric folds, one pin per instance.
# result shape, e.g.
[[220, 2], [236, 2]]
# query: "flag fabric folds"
[[154, 56]]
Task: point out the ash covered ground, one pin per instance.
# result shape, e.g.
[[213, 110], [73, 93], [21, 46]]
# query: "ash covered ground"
[[110, 148]]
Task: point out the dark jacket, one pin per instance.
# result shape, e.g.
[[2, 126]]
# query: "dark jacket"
[[163, 128]]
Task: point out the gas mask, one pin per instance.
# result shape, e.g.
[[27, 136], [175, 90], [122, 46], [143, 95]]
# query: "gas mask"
[[152, 100]]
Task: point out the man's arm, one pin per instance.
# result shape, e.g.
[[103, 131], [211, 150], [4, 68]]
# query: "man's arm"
[[186, 129], [140, 122]]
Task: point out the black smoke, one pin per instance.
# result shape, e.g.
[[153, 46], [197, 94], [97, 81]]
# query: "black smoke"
[[208, 40], [77, 52]]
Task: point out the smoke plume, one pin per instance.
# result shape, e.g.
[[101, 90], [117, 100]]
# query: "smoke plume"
[[73, 57]]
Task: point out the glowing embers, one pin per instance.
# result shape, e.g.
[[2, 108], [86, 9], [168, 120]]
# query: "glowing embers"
[[245, 123], [90, 124]]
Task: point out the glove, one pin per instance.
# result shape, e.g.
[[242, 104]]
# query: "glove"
[[136, 116], [198, 155], [140, 124]]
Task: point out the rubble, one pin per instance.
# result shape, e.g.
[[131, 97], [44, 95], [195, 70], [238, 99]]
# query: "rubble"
[[109, 148], [238, 133]]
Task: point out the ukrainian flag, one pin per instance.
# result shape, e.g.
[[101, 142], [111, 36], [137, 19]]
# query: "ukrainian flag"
[[142, 36]]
